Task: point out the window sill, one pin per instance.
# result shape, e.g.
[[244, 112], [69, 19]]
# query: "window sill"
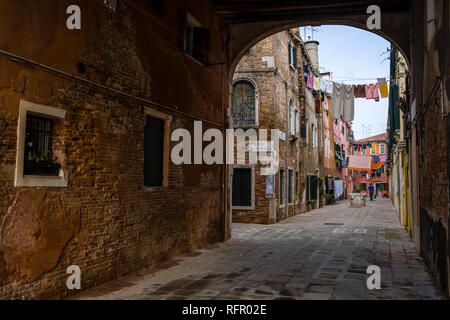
[[243, 208], [155, 188], [41, 181]]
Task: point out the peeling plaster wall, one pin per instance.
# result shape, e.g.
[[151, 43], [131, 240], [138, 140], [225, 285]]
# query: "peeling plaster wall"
[[104, 221]]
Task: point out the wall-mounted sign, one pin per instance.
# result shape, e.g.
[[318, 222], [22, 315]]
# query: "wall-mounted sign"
[[281, 135], [260, 146]]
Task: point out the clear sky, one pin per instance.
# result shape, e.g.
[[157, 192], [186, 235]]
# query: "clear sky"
[[351, 53]]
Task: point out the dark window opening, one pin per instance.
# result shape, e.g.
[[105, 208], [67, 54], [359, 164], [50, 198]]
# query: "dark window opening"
[[311, 187], [153, 152], [282, 186], [363, 186], [292, 55], [242, 187], [196, 41]]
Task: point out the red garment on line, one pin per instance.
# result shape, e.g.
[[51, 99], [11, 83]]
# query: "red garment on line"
[[372, 91]]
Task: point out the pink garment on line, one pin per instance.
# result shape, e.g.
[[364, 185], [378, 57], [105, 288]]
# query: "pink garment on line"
[[372, 91], [310, 83]]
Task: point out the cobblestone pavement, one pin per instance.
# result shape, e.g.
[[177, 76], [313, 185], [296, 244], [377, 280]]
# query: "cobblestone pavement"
[[322, 254]]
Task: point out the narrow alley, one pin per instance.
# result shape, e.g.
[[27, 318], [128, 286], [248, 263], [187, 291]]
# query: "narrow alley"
[[322, 254], [215, 150]]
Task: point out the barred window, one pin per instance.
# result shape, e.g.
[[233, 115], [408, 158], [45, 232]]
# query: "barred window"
[[38, 155], [243, 107]]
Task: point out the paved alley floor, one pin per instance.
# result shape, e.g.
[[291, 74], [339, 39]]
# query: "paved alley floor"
[[322, 254]]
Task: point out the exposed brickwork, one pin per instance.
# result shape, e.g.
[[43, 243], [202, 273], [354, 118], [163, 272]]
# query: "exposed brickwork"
[[122, 227], [272, 115]]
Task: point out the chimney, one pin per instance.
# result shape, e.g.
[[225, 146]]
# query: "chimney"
[[312, 48]]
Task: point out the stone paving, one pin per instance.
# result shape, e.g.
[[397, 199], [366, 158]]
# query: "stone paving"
[[322, 254]]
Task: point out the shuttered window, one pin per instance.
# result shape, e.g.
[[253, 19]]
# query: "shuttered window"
[[242, 187], [311, 187], [153, 151], [196, 41], [282, 187], [292, 55]]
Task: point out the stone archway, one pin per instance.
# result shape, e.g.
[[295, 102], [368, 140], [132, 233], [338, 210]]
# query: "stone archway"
[[250, 22]]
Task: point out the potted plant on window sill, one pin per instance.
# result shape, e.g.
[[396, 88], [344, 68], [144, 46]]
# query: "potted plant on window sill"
[[41, 163]]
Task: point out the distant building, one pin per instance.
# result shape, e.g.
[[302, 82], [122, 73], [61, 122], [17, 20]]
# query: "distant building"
[[375, 146], [261, 100]]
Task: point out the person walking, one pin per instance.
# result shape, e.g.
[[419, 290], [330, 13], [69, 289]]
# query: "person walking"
[[371, 188]]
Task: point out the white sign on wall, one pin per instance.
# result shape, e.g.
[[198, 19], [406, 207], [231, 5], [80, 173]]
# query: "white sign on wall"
[[281, 135], [260, 146]]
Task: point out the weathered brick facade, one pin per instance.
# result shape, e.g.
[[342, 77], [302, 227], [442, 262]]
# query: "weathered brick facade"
[[267, 65], [105, 220]]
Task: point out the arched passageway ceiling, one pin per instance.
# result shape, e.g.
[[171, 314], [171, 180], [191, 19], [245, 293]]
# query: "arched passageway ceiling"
[[251, 21]]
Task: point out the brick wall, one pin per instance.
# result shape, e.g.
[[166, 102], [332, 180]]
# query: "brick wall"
[[272, 115], [104, 221]]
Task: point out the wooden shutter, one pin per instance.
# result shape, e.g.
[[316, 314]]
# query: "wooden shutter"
[[313, 187], [295, 57], [308, 196], [242, 187], [290, 53], [153, 151]]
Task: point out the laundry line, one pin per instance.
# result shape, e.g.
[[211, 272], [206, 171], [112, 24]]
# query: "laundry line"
[[387, 80]]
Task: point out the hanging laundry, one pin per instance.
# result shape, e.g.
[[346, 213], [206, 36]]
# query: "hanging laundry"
[[360, 91], [375, 159], [310, 82], [375, 166], [316, 85], [372, 91], [329, 87], [383, 87], [349, 103], [337, 100], [383, 159], [359, 162], [338, 188], [368, 176], [323, 84]]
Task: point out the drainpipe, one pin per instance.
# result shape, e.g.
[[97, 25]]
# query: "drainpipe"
[[287, 85]]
